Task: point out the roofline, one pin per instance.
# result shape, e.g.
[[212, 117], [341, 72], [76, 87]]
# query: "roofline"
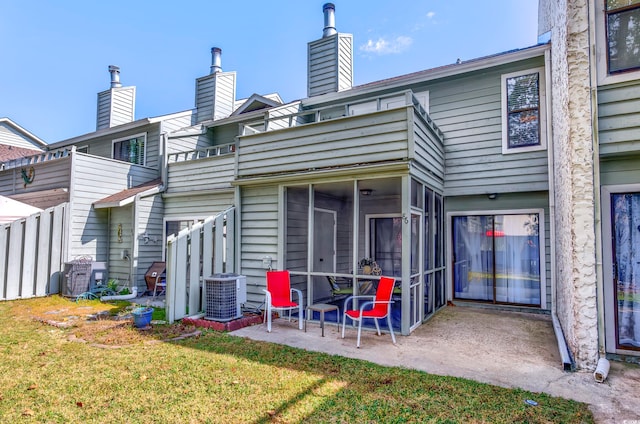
[[29, 134], [435, 73], [118, 128], [128, 200], [235, 118], [253, 98]]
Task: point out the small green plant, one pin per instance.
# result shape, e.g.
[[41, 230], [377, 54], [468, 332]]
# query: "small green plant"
[[112, 284]]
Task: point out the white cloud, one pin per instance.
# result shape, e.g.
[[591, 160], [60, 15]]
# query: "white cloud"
[[431, 15], [383, 46]]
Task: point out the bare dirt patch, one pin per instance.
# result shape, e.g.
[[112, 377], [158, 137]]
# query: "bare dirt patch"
[[97, 323]]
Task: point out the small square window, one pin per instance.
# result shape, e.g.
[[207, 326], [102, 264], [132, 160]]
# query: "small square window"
[[130, 149], [523, 116], [623, 35]]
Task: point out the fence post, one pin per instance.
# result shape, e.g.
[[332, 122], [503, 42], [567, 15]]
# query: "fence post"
[[170, 279], [29, 256], [4, 229]]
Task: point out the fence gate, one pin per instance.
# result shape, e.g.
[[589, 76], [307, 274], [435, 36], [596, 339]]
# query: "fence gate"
[[195, 253]]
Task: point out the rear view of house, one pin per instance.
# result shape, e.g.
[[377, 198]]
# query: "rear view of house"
[[506, 182]]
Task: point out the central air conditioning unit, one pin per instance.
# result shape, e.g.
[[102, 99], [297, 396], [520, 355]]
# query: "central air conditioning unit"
[[223, 296]]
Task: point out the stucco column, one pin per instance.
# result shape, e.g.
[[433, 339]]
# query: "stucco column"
[[574, 188]]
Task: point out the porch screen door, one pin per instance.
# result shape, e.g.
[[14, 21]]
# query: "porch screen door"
[[324, 251], [625, 210]]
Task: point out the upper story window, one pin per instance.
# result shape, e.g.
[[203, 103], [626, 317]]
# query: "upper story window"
[[623, 35], [523, 111], [130, 149]]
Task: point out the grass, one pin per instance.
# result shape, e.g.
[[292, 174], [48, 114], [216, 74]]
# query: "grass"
[[46, 376]]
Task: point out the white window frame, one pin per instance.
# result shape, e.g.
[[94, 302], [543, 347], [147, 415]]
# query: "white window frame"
[[602, 48], [83, 149], [144, 153], [543, 245], [542, 109]]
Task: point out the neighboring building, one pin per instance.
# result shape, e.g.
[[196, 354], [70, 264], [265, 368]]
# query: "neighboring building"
[[122, 154], [16, 142], [482, 183]]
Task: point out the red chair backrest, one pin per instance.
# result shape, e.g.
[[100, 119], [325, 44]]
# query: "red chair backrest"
[[383, 294], [279, 285]]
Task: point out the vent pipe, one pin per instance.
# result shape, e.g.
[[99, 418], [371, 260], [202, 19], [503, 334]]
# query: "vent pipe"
[[329, 20], [115, 76], [216, 60]]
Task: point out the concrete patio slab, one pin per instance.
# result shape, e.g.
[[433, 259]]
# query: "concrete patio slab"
[[507, 349]]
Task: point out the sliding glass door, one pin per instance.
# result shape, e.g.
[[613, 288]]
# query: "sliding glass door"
[[625, 217], [496, 258]]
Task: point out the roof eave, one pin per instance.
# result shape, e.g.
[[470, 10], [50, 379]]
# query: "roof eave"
[[30, 135], [434, 73]]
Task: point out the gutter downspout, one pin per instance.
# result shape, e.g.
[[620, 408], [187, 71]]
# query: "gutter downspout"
[[164, 159], [565, 355]]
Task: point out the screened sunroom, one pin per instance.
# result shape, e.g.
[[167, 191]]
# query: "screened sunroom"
[[340, 237]]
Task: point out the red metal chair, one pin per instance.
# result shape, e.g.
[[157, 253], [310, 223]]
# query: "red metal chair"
[[278, 296], [377, 308]]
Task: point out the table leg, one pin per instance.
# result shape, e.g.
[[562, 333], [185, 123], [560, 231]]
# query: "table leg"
[[322, 322], [305, 321]]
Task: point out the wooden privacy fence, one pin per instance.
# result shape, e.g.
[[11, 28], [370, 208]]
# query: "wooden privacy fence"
[[31, 254], [194, 254]]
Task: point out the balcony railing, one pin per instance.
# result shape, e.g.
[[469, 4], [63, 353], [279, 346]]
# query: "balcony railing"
[[278, 118], [213, 151], [37, 158]]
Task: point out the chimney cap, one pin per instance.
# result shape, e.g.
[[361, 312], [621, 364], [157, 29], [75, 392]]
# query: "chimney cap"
[[115, 76], [216, 60], [329, 10]]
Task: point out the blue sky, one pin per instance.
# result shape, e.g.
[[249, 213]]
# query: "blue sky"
[[55, 54]]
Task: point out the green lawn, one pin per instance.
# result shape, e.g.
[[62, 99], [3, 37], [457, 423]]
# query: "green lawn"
[[219, 378]]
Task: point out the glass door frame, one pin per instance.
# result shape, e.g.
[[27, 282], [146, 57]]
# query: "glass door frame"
[[606, 286], [494, 212]]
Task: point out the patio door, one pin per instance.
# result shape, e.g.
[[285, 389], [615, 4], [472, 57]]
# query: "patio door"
[[496, 258], [624, 288]]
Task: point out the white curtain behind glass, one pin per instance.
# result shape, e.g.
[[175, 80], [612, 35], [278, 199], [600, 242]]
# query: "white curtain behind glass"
[[626, 223], [473, 258], [517, 252]]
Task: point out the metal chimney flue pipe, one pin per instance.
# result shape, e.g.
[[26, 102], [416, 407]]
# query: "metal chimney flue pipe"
[[216, 60], [329, 10], [115, 76]]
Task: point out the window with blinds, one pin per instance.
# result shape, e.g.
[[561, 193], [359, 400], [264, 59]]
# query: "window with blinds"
[[623, 35], [523, 111], [130, 149]]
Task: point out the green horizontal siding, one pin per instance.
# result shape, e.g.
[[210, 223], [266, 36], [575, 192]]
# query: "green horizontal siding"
[[619, 119]]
